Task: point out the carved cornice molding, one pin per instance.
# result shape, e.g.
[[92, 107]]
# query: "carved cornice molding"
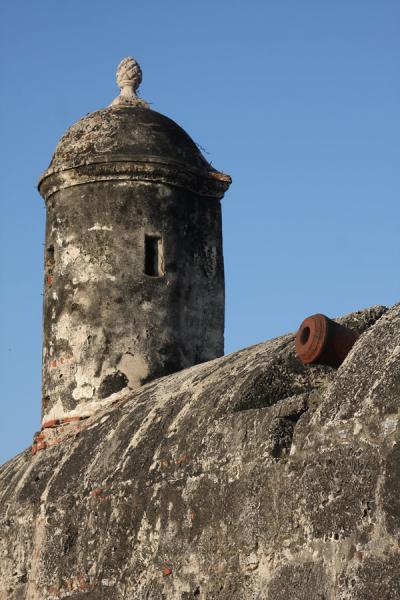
[[147, 169]]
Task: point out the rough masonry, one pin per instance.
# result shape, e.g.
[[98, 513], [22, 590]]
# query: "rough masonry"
[[251, 476], [244, 477], [134, 274]]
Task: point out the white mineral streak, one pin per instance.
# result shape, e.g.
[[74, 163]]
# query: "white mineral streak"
[[79, 369], [162, 400], [34, 592], [390, 424], [392, 361], [83, 268], [98, 227], [57, 411], [295, 521], [134, 367], [84, 409], [83, 389], [184, 380]]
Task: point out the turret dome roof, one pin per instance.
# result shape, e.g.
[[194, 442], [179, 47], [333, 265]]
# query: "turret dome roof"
[[127, 133], [129, 141]]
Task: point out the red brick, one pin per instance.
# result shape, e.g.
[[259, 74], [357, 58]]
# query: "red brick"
[[50, 423], [71, 419]]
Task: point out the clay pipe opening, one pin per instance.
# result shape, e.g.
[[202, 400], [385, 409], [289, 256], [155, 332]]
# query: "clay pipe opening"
[[321, 341]]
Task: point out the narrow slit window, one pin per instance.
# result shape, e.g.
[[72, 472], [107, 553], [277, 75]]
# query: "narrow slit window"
[[153, 256], [50, 256]]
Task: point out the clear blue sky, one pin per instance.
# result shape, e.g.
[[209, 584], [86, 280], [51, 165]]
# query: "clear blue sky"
[[298, 101]]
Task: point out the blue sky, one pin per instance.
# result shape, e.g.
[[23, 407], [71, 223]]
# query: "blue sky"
[[297, 101]]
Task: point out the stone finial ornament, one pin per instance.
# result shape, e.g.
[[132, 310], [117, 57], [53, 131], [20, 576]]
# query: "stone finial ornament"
[[129, 78], [140, 171]]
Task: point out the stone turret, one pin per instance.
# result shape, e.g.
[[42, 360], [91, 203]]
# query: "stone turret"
[[134, 276]]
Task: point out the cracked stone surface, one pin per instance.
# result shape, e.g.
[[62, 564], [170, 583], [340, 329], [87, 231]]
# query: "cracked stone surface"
[[133, 257], [251, 476]]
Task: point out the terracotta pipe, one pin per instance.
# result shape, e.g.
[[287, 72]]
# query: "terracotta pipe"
[[322, 341]]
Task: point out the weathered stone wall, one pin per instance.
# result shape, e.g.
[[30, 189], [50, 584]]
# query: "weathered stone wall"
[[134, 275], [107, 324], [248, 477]]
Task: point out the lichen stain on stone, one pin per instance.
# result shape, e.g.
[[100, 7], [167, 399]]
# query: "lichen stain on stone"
[[197, 475], [117, 176]]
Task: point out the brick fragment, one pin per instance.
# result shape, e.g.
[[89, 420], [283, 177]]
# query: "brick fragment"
[[50, 423], [71, 419]]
